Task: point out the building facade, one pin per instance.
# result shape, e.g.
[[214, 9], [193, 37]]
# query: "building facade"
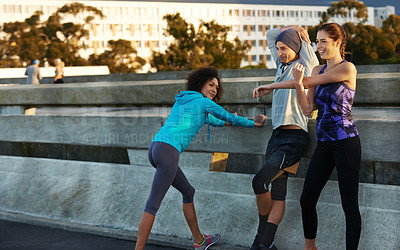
[[141, 22], [381, 14]]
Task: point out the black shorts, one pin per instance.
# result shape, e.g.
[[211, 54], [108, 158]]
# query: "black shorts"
[[286, 147]]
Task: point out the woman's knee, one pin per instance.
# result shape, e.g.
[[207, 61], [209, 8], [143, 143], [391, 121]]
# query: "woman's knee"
[[188, 195], [306, 203]]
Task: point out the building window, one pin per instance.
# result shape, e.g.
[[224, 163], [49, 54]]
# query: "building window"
[[260, 27], [136, 44], [252, 43], [249, 12], [235, 28]]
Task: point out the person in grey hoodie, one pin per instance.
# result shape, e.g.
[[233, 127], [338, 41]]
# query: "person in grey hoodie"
[[33, 73], [193, 108], [288, 45]]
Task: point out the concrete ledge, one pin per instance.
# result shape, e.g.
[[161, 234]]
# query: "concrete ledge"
[[371, 89], [109, 198], [137, 132], [230, 73]]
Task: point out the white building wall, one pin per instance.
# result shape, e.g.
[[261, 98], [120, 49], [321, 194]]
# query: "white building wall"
[[142, 22], [382, 13]]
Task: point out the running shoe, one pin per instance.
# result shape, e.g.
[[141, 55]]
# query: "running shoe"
[[256, 242], [208, 241], [261, 246]]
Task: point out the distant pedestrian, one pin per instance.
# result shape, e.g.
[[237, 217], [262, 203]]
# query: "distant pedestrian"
[[33, 73], [59, 70]]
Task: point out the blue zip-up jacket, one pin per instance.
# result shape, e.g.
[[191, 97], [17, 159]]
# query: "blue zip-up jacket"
[[190, 111]]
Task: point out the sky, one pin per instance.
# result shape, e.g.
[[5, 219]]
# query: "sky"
[[369, 3]]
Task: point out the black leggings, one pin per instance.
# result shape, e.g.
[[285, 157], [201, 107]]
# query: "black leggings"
[[165, 158], [346, 156]]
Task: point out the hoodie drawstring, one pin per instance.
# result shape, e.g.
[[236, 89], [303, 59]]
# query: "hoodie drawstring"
[[208, 126]]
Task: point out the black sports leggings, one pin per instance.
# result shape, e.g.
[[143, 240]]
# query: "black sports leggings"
[[346, 156], [165, 158]]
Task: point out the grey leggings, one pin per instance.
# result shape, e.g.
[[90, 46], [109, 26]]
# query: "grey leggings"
[[165, 158]]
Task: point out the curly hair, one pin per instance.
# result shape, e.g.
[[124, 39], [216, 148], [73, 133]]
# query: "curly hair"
[[199, 77], [336, 32]]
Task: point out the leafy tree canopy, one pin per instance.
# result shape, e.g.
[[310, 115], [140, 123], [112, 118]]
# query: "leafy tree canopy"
[[206, 46], [365, 44], [344, 7], [121, 58]]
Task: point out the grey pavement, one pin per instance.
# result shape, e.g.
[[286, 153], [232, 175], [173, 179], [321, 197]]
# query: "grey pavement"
[[20, 236]]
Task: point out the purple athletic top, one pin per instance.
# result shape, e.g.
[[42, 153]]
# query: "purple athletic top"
[[334, 120]]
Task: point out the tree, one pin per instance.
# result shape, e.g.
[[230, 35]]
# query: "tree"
[[391, 27], [23, 41], [367, 43], [55, 38], [343, 8], [206, 47], [65, 38], [222, 54], [121, 58], [180, 55]]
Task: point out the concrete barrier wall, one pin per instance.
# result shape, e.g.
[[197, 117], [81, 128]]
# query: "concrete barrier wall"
[[377, 89], [232, 73], [138, 132], [108, 199]]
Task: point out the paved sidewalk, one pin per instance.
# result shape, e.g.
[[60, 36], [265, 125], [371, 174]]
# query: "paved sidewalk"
[[20, 236]]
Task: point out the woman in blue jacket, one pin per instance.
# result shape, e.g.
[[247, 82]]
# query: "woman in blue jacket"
[[193, 108]]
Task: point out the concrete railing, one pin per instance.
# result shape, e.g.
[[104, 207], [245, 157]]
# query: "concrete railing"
[[108, 198]]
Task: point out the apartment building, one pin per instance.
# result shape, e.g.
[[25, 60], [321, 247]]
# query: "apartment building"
[[141, 22], [381, 14]]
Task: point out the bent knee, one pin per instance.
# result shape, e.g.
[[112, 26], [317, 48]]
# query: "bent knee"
[[279, 188], [259, 187], [188, 195]]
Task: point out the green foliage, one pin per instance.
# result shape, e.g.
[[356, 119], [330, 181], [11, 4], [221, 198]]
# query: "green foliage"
[[53, 38], [343, 8], [391, 27], [121, 58], [191, 50], [365, 44]]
